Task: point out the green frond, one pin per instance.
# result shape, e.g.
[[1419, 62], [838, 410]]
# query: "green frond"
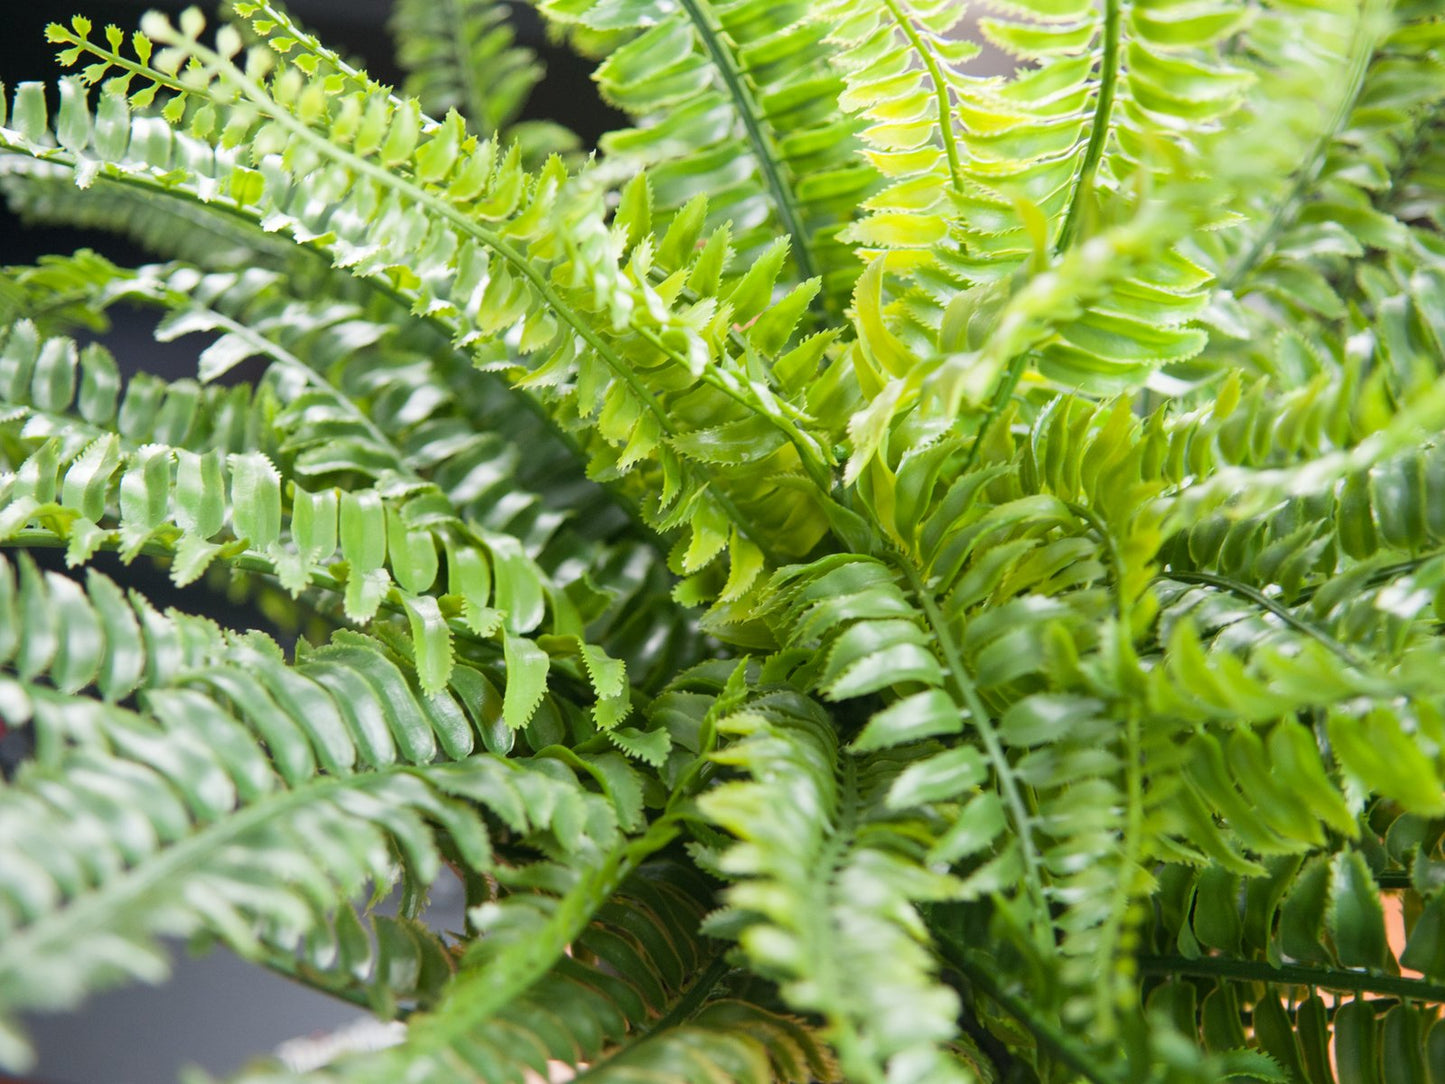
[[51, 385], [1338, 180], [403, 536], [220, 769], [462, 55], [828, 867], [1300, 933], [390, 405], [170, 228], [411, 424], [732, 102], [641, 995], [620, 407], [1338, 55], [993, 178], [372, 399], [98, 639]]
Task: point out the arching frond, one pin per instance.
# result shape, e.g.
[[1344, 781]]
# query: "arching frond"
[[168, 227], [219, 770], [397, 546], [393, 407], [636, 429]]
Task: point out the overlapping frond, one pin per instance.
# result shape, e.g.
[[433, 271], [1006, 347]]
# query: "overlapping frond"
[[395, 548], [362, 397], [1044, 641], [1005, 634], [967, 155], [993, 178], [590, 318], [1303, 948], [354, 397], [173, 816], [642, 995]]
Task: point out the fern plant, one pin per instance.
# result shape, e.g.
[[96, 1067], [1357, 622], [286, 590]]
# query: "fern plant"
[[882, 573]]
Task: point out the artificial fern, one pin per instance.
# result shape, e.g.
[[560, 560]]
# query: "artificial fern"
[[883, 573]]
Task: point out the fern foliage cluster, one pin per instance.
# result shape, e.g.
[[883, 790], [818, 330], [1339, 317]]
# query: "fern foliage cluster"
[[881, 572]]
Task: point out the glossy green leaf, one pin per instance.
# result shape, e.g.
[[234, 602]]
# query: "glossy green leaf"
[[526, 678]]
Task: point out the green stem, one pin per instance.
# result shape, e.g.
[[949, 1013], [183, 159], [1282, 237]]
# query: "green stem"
[[1099, 132], [338, 986], [1116, 562], [784, 200], [176, 301], [1002, 393], [1293, 975], [283, 24], [479, 992], [963, 692], [1250, 594], [808, 448], [1068, 233], [940, 91], [687, 1006], [1124, 891]]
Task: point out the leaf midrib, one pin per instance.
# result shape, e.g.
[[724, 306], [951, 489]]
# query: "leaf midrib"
[[785, 201], [101, 908]]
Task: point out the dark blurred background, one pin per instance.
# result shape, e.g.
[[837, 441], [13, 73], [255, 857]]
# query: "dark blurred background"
[[217, 1011]]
